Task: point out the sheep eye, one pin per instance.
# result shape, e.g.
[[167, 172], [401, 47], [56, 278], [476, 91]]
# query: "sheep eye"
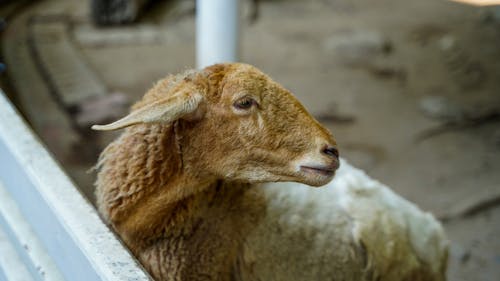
[[244, 103]]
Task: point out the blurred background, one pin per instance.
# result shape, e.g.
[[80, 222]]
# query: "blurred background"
[[410, 89]]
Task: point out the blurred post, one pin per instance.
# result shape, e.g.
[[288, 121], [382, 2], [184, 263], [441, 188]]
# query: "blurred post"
[[217, 31]]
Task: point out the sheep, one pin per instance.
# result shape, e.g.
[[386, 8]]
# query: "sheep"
[[207, 182]]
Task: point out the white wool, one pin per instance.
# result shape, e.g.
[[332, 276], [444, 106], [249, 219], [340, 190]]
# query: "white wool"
[[349, 229]]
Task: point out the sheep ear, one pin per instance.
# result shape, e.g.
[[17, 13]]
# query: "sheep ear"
[[165, 111]]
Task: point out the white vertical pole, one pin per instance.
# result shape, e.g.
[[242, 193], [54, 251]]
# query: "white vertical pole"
[[217, 31]]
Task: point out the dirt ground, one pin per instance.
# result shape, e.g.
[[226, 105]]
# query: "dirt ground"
[[410, 89]]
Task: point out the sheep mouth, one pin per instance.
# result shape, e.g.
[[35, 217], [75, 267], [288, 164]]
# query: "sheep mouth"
[[323, 171]]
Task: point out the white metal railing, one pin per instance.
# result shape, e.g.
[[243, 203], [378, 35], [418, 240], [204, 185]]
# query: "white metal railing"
[[48, 230]]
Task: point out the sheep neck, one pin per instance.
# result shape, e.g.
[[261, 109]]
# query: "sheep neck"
[[146, 194], [142, 183]]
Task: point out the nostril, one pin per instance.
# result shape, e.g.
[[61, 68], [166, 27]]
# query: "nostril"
[[331, 151]]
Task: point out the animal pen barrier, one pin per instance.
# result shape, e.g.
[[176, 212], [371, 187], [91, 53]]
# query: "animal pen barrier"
[[48, 231]]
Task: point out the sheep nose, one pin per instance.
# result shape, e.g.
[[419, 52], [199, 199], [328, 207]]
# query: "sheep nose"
[[331, 151]]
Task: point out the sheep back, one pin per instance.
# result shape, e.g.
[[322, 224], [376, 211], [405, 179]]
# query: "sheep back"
[[354, 228]]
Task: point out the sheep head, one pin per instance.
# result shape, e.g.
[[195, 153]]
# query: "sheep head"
[[235, 123]]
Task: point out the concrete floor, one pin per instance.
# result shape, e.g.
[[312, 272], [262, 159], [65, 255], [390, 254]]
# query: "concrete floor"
[[381, 75]]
